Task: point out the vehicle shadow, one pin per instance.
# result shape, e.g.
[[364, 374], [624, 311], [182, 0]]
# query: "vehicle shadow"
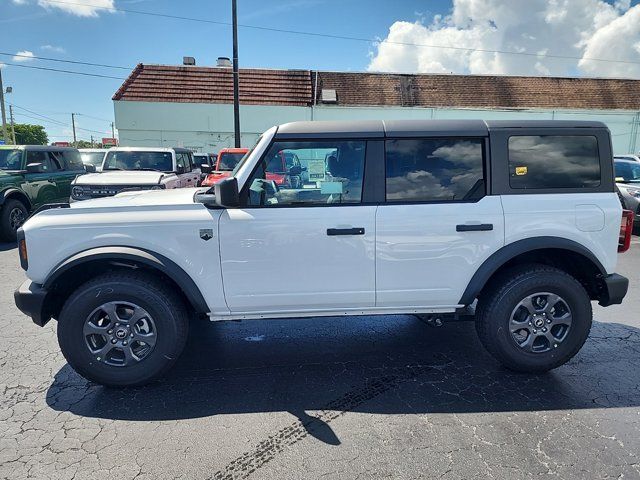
[[319, 368], [7, 246]]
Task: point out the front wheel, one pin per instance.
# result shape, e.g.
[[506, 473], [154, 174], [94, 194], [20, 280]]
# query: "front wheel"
[[122, 329], [12, 216], [534, 318]]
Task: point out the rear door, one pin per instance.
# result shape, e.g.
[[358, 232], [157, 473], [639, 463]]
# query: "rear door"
[[302, 249], [437, 224], [70, 166]]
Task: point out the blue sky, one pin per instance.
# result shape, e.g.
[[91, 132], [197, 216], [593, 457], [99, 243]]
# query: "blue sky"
[[126, 39]]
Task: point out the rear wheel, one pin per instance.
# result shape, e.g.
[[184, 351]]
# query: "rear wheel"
[[122, 329], [534, 318], [12, 216]]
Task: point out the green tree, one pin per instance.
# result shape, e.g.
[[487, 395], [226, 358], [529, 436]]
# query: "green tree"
[[27, 134]]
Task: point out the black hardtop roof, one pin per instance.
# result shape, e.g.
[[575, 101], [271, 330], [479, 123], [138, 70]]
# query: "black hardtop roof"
[[415, 128], [40, 148]]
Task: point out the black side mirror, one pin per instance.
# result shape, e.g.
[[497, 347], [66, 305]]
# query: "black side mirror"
[[35, 168], [295, 170], [226, 192], [90, 168], [180, 169], [204, 168]]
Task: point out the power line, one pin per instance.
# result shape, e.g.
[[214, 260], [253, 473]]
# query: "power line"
[[54, 121], [51, 59], [340, 37], [64, 71]]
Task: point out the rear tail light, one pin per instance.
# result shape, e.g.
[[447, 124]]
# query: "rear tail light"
[[626, 229]]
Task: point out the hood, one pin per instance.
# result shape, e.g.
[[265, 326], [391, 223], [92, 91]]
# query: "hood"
[[121, 177], [173, 196]]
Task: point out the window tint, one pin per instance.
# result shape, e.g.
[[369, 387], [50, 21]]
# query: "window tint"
[[57, 162], [547, 161], [324, 172], [72, 160], [629, 172], [138, 160], [10, 159], [434, 170], [181, 161], [38, 157]]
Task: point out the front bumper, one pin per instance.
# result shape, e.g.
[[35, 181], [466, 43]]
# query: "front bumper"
[[614, 289], [30, 300]]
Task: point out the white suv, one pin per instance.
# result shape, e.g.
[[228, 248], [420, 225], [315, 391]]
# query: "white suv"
[[518, 220], [135, 168]]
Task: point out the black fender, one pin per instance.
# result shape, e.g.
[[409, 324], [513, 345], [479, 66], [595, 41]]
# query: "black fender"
[[134, 255], [17, 193], [511, 251]]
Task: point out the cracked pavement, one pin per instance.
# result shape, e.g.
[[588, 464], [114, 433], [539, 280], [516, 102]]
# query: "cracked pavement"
[[348, 397]]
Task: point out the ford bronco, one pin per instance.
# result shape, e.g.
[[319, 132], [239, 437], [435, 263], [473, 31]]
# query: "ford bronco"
[[517, 222]]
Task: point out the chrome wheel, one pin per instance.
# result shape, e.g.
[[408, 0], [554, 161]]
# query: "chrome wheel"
[[540, 322], [16, 218], [120, 333]]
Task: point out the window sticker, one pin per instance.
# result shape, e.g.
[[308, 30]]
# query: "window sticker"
[[330, 188], [521, 170], [316, 170]]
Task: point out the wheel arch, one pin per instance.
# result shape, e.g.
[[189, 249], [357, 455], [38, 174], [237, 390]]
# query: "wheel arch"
[[17, 194], [555, 251], [78, 268]]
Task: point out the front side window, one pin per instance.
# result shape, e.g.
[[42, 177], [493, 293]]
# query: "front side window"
[[553, 161], [326, 172], [72, 160], [434, 170], [138, 160], [10, 159]]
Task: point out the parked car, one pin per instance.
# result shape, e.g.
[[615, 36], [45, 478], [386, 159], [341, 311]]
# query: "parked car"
[[135, 168], [285, 169], [517, 219], [32, 176], [93, 157], [227, 160], [627, 174], [206, 161]]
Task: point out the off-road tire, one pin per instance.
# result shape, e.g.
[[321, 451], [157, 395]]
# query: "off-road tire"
[[501, 297], [158, 299], [7, 231]]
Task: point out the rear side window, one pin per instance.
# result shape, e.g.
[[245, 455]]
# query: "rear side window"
[[434, 169], [549, 161]]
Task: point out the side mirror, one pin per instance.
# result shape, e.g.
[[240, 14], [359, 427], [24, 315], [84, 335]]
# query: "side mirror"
[[226, 192], [180, 169], [90, 168], [36, 168], [204, 168]]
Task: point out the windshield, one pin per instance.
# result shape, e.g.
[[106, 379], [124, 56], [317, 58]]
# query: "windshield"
[[92, 158], [628, 172], [228, 161], [128, 160], [10, 159]]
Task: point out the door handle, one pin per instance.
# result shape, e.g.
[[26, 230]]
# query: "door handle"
[[480, 227], [345, 231]]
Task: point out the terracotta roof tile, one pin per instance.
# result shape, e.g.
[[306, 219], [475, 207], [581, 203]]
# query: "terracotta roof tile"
[[165, 83]]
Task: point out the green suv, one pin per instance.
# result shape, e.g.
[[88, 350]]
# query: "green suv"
[[32, 176]]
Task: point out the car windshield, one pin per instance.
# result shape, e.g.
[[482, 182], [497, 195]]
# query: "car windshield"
[[628, 172], [10, 159], [92, 158], [229, 160], [139, 160]]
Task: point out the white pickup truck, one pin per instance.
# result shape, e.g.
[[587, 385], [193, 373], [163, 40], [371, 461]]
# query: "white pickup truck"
[[517, 220]]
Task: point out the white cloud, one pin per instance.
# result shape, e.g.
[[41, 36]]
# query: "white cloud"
[[53, 48], [81, 8], [23, 56], [575, 28]]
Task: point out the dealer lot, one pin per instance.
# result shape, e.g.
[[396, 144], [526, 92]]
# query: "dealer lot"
[[353, 397]]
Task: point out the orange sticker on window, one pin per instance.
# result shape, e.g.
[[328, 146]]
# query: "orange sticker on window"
[[521, 170]]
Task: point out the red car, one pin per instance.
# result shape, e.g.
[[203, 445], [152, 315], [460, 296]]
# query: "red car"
[[285, 170], [228, 158]]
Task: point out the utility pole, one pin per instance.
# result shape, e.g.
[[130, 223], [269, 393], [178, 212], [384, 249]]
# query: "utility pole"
[[236, 76], [73, 125], [113, 133], [91, 141], [13, 126], [4, 116]]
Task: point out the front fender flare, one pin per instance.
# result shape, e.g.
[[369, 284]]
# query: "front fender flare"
[[137, 255], [509, 252], [18, 193]]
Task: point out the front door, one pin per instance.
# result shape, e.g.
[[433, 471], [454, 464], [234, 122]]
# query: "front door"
[[437, 224], [304, 249]]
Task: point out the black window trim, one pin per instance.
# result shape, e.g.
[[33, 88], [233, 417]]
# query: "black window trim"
[[244, 193], [486, 170]]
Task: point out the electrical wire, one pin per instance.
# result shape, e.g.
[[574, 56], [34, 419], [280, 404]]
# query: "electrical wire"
[[86, 74], [51, 59]]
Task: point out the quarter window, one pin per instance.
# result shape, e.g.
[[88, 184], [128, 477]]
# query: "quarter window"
[[548, 161], [434, 170], [309, 173]]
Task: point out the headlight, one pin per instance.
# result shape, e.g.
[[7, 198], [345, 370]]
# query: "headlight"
[[77, 192]]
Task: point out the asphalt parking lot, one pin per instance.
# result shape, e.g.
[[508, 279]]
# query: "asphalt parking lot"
[[359, 397]]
